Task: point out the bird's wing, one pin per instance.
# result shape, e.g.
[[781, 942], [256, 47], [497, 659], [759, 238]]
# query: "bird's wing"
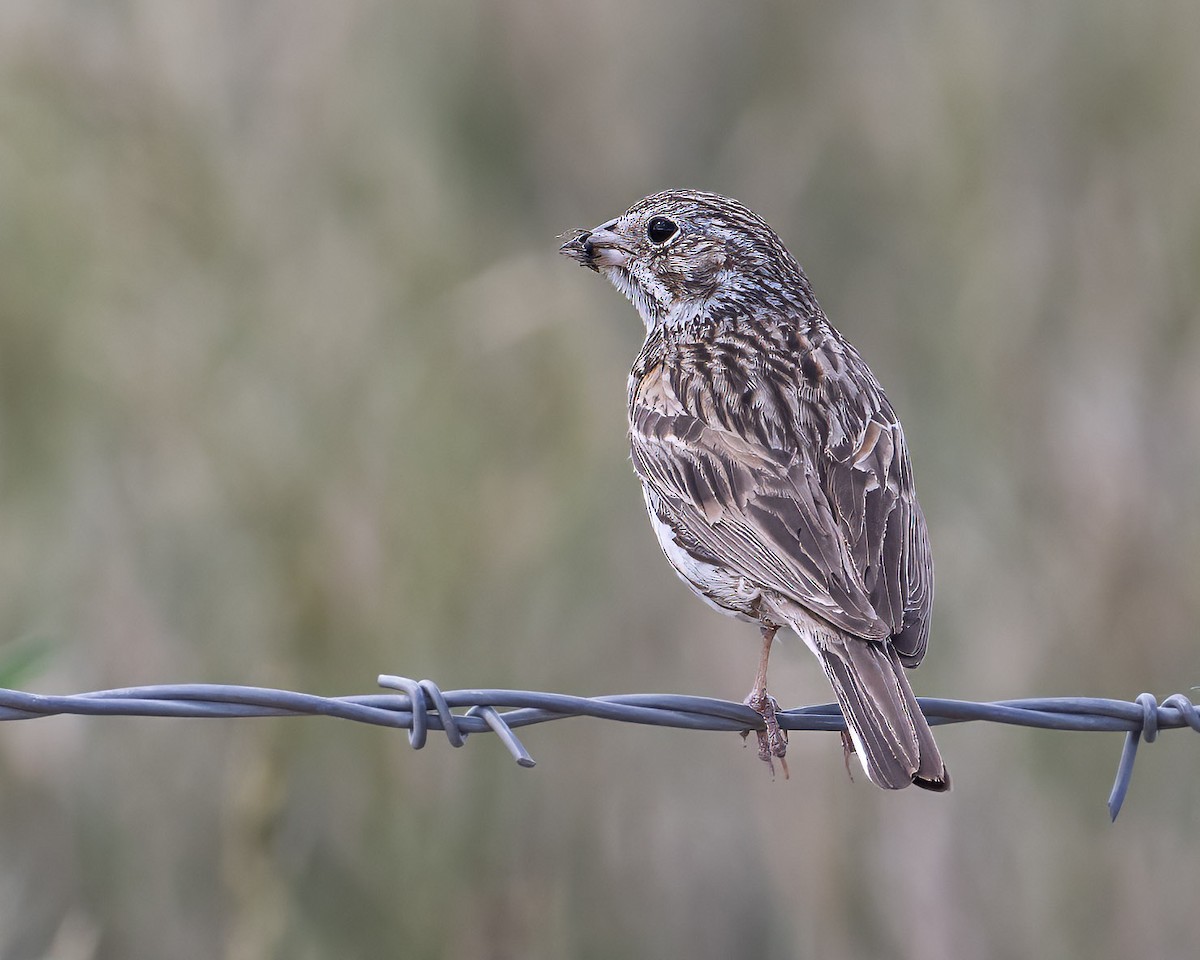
[[868, 479], [837, 530]]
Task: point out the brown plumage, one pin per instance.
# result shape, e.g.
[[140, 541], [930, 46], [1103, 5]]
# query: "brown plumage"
[[774, 469]]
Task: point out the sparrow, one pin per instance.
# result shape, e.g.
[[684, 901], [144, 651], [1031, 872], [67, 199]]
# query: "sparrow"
[[775, 472]]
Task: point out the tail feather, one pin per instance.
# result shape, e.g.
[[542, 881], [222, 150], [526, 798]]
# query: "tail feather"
[[889, 731]]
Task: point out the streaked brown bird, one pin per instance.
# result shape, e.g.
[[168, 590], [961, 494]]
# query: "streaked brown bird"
[[774, 469]]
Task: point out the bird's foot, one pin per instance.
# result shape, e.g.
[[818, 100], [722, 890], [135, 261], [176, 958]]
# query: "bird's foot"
[[772, 739], [847, 753]]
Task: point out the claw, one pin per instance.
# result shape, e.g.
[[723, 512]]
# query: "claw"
[[772, 739], [847, 753]]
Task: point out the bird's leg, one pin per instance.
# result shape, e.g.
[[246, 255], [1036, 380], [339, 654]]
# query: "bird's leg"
[[772, 741], [847, 753]]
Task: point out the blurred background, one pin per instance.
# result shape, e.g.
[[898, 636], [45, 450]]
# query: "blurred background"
[[294, 390]]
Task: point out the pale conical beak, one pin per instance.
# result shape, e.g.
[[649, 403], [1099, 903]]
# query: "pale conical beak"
[[595, 248]]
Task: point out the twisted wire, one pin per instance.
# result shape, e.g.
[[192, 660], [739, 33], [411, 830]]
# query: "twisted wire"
[[420, 706]]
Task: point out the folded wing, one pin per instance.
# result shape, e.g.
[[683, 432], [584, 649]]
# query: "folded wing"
[[834, 527]]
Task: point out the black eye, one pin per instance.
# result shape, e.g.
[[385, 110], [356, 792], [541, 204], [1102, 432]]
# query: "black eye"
[[660, 229]]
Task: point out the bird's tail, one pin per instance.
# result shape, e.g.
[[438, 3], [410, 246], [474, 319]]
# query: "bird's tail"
[[888, 729]]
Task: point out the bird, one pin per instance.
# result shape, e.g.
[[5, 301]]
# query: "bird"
[[774, 469]]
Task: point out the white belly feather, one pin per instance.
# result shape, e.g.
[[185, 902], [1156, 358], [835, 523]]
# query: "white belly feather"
[[724, 591]]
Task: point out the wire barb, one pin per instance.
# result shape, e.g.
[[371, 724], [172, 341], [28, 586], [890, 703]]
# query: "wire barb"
[[1152, 718], [421, 706]]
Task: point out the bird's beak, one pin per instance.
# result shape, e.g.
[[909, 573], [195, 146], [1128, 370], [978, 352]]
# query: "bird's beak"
[[595, 248]]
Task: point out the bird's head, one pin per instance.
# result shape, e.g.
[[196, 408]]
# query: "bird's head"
[[677, 254]]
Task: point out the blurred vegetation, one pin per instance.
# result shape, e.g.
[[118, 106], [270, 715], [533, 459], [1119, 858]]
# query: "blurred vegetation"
[[294, 390]]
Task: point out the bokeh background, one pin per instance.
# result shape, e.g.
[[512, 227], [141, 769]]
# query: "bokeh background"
[[294, 390]]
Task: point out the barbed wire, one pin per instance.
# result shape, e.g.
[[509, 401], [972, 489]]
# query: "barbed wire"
[[421, 706]]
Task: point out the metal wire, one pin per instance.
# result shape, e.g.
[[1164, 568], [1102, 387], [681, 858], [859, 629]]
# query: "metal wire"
[[421, 706]]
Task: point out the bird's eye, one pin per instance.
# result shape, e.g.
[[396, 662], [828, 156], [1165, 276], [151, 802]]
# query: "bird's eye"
[[660, 229]]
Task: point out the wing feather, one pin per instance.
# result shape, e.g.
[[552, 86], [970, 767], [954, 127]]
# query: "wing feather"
[[835, 528]]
